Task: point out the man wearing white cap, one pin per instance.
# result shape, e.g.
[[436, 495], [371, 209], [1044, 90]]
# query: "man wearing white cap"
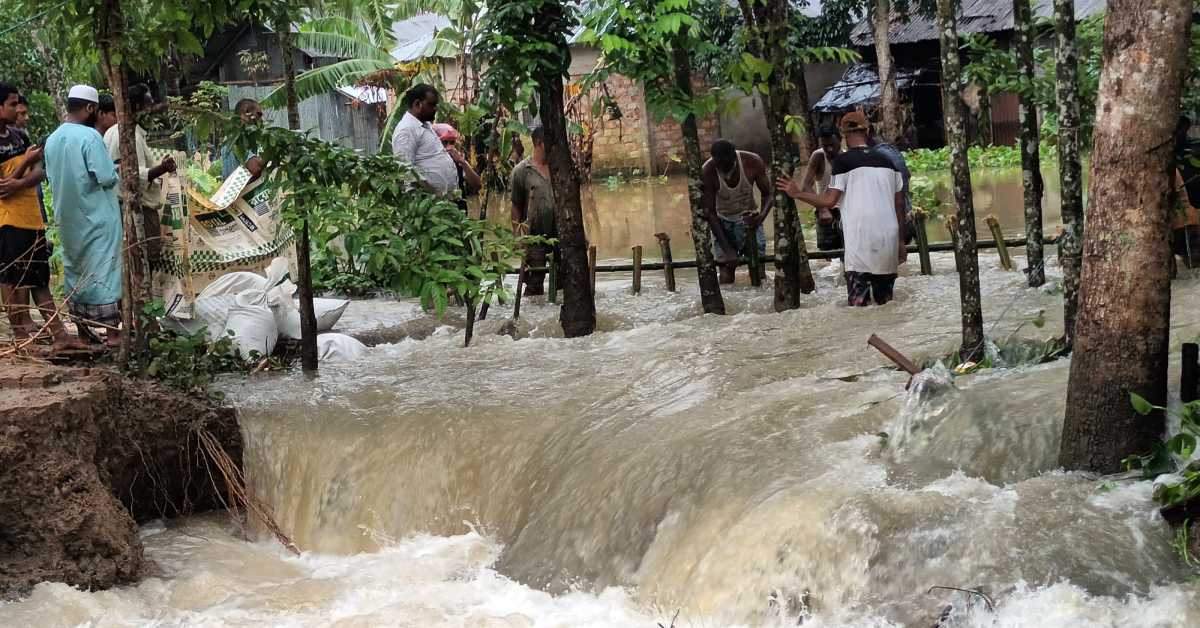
[[83, 181]]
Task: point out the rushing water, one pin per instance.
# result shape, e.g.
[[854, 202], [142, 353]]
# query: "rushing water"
[[729, 467]]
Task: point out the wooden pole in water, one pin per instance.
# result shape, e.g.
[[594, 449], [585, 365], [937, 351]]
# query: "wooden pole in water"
[[520, 289], [551, 262], [592, 266], [1190, 373], [922, 242], [952, 227], [892, 354], [755, 264], [664, 244], [470, 331], [1001, 248], [637, 269]]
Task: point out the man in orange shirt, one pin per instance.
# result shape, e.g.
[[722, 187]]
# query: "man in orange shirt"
[[24, 251]]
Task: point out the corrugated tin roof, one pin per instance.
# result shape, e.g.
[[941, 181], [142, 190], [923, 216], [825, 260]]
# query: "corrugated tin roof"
[[974, 16], [860, 86]]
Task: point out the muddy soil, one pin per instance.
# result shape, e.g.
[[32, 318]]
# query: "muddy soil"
[[85, 456]]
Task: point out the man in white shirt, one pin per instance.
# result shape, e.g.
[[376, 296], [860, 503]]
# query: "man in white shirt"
[[870, 192], [148, 173], [414, 141]]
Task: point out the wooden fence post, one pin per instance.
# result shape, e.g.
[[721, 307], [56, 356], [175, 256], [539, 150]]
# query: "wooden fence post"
[[1189, 373], [755, 264], [637, 269], [664, 244], [520, 290], [553, 268], [922, 242], [952, 227], [592, 266], [998, 236]]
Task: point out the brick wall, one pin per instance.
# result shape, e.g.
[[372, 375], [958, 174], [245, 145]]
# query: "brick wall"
[[667, 138], [621, 145]]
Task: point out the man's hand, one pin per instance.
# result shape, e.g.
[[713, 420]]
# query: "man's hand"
[[753, 220], [788, 186], [167, 165], [33, 154], [8, 186], [455, 155]]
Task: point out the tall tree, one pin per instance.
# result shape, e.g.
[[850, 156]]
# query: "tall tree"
[[653, 41], [1031, 171], [954, 110], [768, 22], [1125, 295], [1069, 167], [889, 97], [527, 41]]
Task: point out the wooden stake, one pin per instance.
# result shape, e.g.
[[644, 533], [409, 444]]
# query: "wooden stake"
[[755, 264], [637, 269], [1190, 373], [952, 227], [592, 266], [553, 266], [998, 236], [922, 242], [470, 322], [520, 290], [664, 244], [892, 354]]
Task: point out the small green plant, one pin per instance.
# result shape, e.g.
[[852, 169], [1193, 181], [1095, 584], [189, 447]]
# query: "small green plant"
[[187, 362], [1162, 459]]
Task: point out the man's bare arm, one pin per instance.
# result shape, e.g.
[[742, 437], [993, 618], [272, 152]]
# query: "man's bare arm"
[[902, 223], [814, 169], [762, 179]]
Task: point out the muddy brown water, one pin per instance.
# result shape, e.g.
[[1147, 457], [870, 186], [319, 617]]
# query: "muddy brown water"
[[726, 467]]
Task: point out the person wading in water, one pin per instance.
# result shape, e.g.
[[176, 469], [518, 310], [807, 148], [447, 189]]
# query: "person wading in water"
[[729, 178]]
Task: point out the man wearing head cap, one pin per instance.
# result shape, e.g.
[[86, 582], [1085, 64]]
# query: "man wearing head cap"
[[870, 191], [83, 184], [469, 182]]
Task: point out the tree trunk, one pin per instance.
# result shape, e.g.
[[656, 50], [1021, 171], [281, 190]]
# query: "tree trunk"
[[1067, 91], [954, 110], [578, 313], [768, 22], [706, 267], [1031, 167], [889, 98], [137, 269], [308, 316], [1125, 295]]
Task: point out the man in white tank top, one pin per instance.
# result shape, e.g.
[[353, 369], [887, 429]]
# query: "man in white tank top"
[[730, 177], [817, 177]]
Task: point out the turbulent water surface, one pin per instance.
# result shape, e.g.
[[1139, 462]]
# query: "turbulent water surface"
[[728, 468]]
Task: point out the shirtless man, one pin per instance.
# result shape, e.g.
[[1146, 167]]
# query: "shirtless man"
[[730, 177], [816, 179]]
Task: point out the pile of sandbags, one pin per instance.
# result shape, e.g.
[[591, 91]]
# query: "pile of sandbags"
[[255, 311]]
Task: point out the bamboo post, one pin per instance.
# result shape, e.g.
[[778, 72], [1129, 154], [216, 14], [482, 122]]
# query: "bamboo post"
[[922, 242], [553, 268], [998, 236], [755, 264], [592, 266], [637, 269], [664, 244], [520, 289], [952, 226], [1190, 373], [470, 331]]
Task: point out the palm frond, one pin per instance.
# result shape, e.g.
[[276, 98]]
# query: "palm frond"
[[325, 79]]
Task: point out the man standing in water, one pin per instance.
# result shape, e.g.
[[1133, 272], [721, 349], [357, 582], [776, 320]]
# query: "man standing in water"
[[414, 141], [533, 208], [82, 183], [817, 176], [729, 178], [871, 193]]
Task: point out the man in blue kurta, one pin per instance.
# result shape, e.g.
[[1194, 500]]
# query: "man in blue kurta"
[[83, 181]]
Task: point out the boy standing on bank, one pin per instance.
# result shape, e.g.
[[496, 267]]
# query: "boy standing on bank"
[[870, 192]]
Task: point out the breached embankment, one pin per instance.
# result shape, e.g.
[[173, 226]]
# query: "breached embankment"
[[87, 455]]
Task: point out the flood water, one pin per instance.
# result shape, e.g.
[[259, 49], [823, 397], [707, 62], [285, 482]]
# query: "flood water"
[[621, 215], [726, 468]]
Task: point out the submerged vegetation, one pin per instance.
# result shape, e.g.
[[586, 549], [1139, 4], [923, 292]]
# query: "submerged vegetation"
[[927, 160]]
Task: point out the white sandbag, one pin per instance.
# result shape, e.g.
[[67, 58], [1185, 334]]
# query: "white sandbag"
[[339, 347], [328, 311], [252, 324], [233, 284]]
